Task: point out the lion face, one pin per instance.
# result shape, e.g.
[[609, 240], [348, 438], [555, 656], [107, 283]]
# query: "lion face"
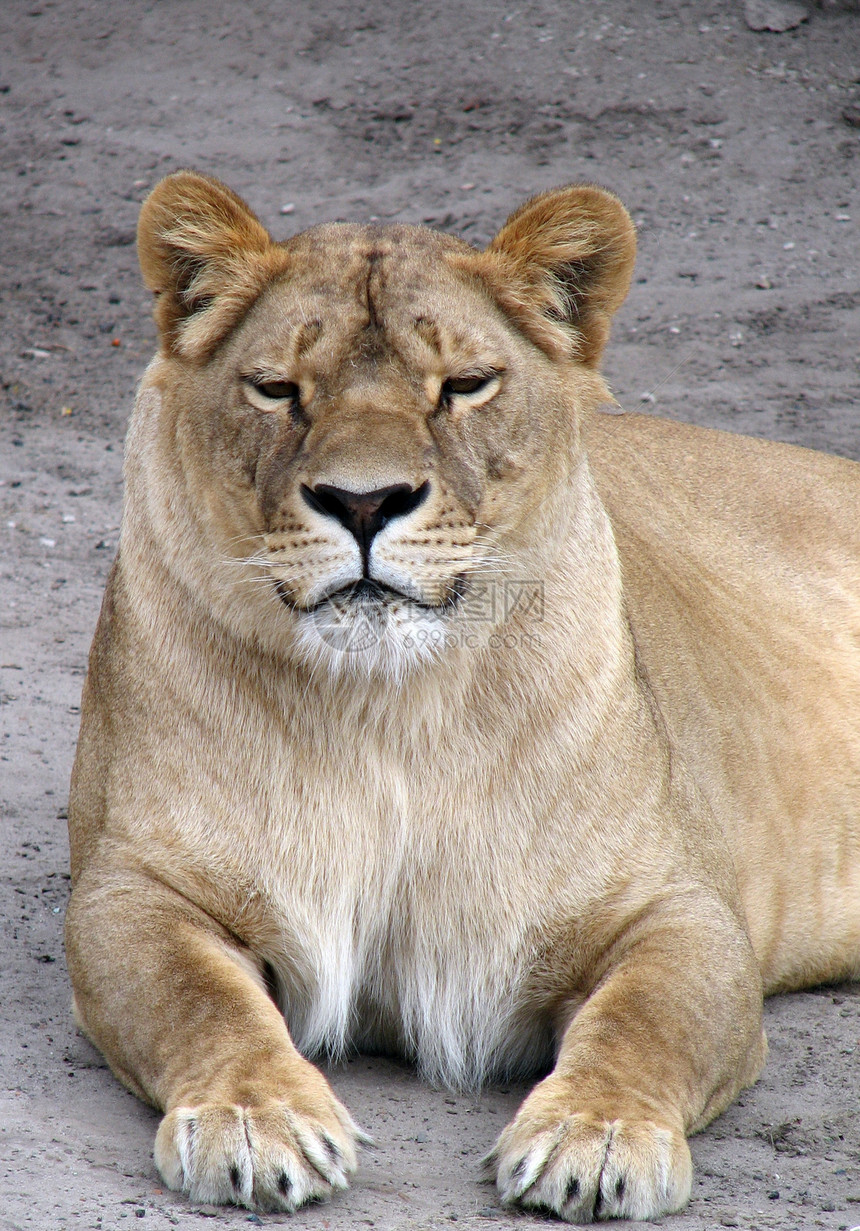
[[371, 416]]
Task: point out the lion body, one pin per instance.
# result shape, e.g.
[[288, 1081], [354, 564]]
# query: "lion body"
[[596, 761], [747, 625]]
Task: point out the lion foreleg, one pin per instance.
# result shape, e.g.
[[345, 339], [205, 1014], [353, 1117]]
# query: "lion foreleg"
[[180, 1010], [664, 1042]]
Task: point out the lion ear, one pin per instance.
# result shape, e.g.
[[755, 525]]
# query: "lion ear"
[[206, 257], [562, 265]]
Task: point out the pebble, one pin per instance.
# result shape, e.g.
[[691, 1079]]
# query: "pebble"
[[777, 16], [289, 208], [48, 542]]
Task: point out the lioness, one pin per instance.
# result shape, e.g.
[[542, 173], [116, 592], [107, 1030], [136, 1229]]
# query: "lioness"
[[431, 712]]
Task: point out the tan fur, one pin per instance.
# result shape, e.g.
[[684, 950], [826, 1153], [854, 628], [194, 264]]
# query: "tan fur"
[[570, 792]]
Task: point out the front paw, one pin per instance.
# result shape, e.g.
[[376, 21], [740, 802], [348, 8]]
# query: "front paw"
[[269, 1157], [583, 1166]]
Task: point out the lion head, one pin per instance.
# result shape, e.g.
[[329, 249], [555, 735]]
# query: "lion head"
[[371, 425]]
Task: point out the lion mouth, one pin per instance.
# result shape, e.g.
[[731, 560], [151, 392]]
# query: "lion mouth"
[[369, 595]]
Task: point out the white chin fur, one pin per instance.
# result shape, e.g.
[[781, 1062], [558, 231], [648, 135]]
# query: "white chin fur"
[[370, 639]]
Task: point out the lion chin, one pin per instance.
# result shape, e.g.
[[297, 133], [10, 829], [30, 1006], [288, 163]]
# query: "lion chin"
[[371, 631]]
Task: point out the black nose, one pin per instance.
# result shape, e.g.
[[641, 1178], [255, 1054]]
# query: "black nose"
[[365, 513]]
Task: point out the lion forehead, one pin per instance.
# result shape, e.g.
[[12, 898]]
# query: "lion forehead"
[[385, 286]]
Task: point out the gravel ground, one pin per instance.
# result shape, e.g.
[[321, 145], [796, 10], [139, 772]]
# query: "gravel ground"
[[738, 154]]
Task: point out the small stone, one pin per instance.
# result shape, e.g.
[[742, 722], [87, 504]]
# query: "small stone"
[[255, 1219], [116, 237], [289, 208], [851, 115], [776, 16], [764, 284]]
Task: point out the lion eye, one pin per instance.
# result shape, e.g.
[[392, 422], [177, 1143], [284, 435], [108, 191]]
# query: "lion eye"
[[277, 390], [465, 385]]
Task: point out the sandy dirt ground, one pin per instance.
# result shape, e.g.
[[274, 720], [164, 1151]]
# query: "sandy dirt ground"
[[738, 154]]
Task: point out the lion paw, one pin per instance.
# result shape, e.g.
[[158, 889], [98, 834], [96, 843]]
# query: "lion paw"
[[269, 1157], [584, 1168]]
